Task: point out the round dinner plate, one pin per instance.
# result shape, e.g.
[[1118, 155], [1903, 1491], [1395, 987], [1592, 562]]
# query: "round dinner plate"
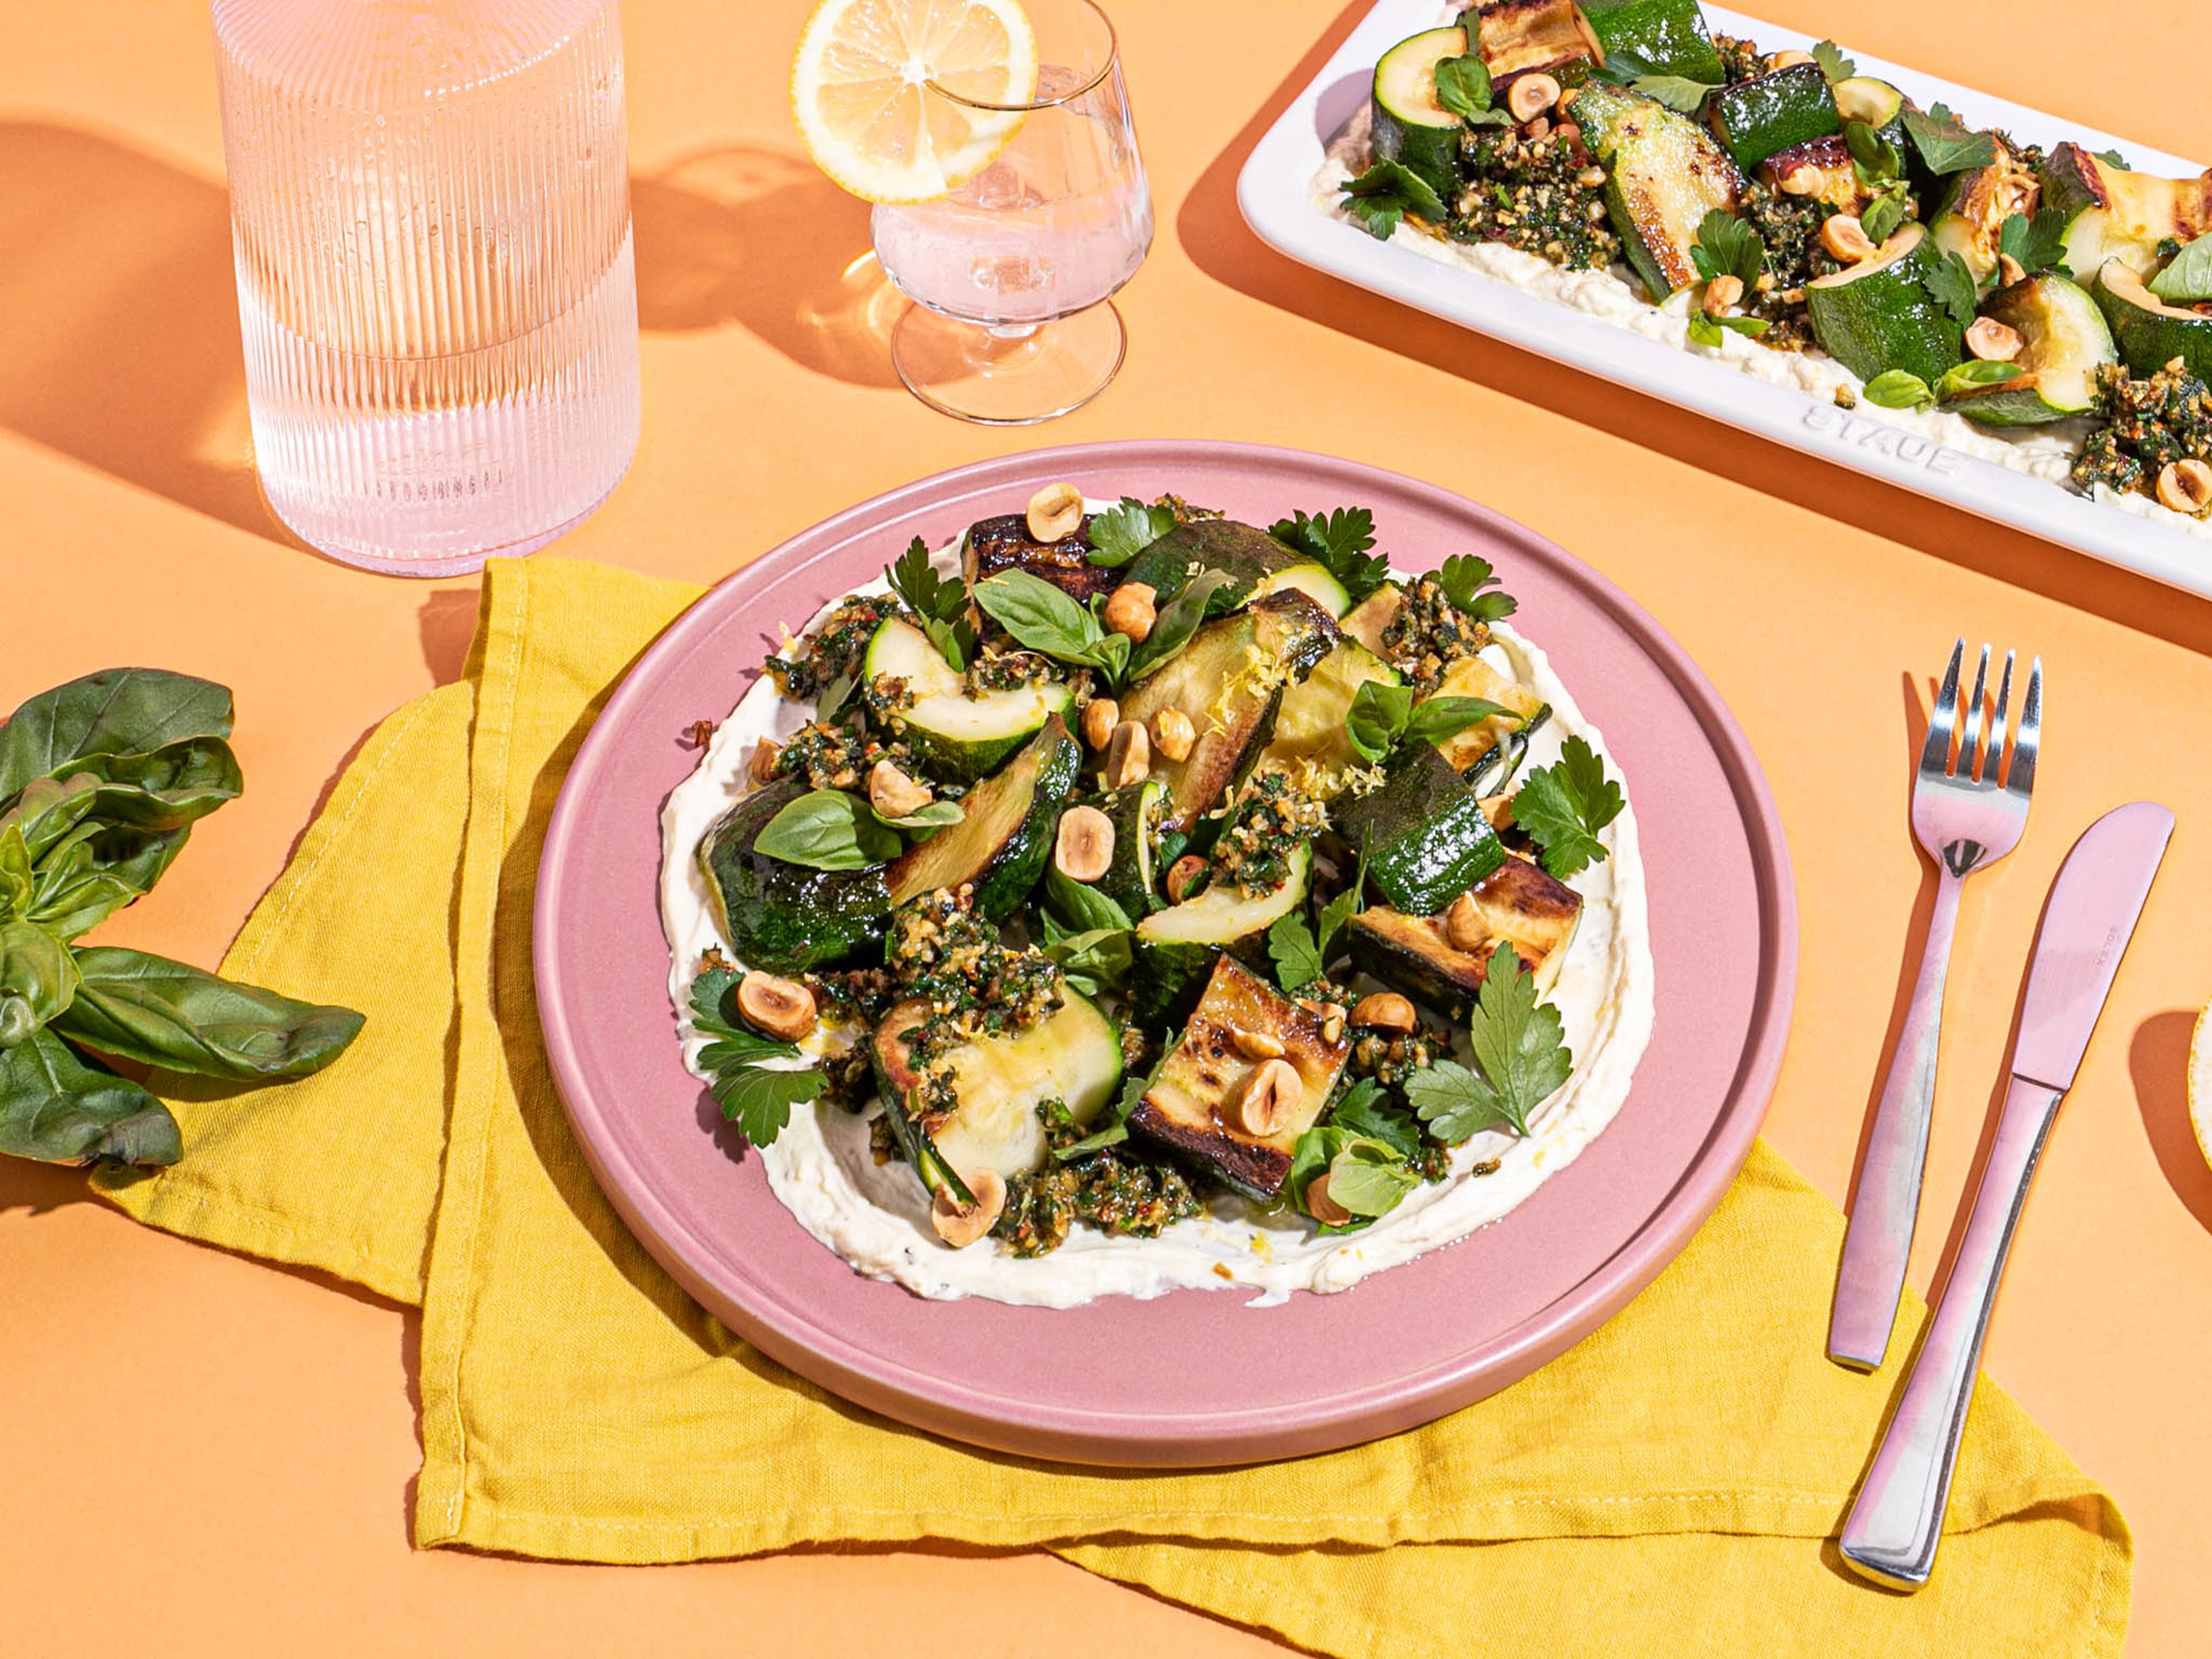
[[1192, 1377]]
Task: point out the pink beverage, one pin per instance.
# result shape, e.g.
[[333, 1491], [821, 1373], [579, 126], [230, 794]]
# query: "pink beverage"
[[430, 216]]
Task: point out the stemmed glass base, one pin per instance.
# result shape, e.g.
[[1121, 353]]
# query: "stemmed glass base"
[[1006, 377]]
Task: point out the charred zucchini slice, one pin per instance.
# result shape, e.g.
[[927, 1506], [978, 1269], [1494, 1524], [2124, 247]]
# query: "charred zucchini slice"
[[975, 1106], [1771, 111], [1410, 126], [1131, 881], [1242, 551], [1819, 168], [785, 917], [1977, 205], [1668, 34], [1518, 902], [1311, 725], [1878, 315], [1176, 947], [1471, 677], [1365, 620], [957, 735], [1667, 173], [1519, 37], [1190, 1106], [1314, 580], [2114, 214], [2063, 343], [1005, 834], [1004, 544], [1229, 680], [1425, 835], [2149, 332]]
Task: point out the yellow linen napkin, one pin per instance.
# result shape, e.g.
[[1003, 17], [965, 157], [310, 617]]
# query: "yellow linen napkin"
[[1670, 1484]]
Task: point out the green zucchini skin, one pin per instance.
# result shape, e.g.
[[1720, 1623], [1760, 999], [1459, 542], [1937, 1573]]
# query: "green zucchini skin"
[[2147, 333], [1001, 867], [1883, 319], [784, 917], [1425, 837], [1669, 35], [1132, 880], [1754, 118], [1177, 946], [1666, 173], [1244, 551], [2064, 341], [1410, 127]]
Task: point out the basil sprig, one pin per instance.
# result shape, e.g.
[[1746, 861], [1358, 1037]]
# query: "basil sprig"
[[1383, 715], [836, 829], [1042, 617], [101, 782]]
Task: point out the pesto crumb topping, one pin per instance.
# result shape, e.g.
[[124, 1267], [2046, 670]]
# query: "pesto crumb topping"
[[1539, 195], [1429, 633], [2146, 423], [941, 951], [835, 648], [1272, 820], [1113, 1190]]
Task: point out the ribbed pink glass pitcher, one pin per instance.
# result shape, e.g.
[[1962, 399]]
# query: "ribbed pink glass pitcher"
[[430, 212]]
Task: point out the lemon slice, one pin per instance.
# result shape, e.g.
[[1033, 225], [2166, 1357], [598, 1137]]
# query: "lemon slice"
[[2200, 1082], [865, 113]]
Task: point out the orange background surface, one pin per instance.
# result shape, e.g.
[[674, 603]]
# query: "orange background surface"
[[214, 1455]]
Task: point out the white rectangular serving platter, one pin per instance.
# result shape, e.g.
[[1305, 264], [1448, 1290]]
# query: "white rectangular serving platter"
[[1275, 191]]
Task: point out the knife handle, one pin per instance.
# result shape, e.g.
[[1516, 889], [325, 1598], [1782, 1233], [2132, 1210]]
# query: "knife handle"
[[1878, 1242], [1897, 1519]]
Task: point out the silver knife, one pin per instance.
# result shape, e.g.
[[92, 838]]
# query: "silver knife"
[[1897, 1517]]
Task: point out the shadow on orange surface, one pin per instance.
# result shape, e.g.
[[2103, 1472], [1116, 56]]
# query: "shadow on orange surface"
[[2157, 1063], [1212, 232]]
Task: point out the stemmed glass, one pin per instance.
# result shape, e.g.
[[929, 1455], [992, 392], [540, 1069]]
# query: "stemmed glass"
[[1012, 273]]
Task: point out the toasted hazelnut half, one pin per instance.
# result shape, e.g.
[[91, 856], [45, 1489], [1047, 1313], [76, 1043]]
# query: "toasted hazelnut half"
[[1590, 177], [1783, 60], [893, 793], [1257, 1045], [1055, 512], [781, 1008], [2009, 270], [1100, 716], [1541, 127], [2185, 486], [1530, 95], [1129, 755], [1800, 181], [1323, 1208], [1084, 847], [1464, 927], [960, 1225], [1268, 1099], [1992, 341], [1129, 610], [1384, 1011], [1723, 291], [1173, 734], [1842, 235], [762, 767], [1567, 131], [1183, 871]]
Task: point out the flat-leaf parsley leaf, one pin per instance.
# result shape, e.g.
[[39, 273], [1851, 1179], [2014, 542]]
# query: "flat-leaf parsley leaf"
[[1520, 1057], [1564, 806]]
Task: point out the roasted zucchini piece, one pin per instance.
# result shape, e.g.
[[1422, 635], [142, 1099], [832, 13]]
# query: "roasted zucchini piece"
[[1471, 677], [1004, 544], [1518, 902], [1977, 205], [1410, 126], [1667, 173], [1176, 947], [784, 917], [1131, 880], [1365, 620], [2063, 343], [1311, 578], [2149, 332], [975, 1105], [1820, 169], [1425, 835], [1190, 1105], [1878, 315], [1310, 725], [956, 736], [1229, 681], [1242, 551], [1668, 34], [1520, 37], [1005, 834], [1756, 117], [2114, 214]]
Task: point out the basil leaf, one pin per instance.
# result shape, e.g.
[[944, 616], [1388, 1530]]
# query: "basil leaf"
[[37, 980], [1341, 910], [829, 830], [1875, 157], [1882, 215], [1678, 93], [1463, 85], [1944, 143], [1898, 388], [1369, 1177], [118, 711], [2187, 277], [1962, 377], [135, 1007], [54, 1107], [1085, 908], [1441, 719], [1114, 1124], [1096, 960], [1376, 718], [1173, 628], [1042, 617], [93, 871], [938, 815]]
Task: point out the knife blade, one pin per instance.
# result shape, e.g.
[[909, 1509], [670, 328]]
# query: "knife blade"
[[1897, 1519]]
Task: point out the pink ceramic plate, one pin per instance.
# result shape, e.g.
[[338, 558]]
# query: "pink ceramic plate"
[[1192, 1377]]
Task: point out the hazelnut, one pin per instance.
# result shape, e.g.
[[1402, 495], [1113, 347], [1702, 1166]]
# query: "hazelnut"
[[1173, 734], [1799, 181], [893, 793], [1100, 716], [1541, 127], [1530, 95], [1257, 1045], [1464, 927], [1129, 755], [1129, 610], [1271, 1095], [1568, 132], [2185, 486], [1055, 513], [1992, 342], [1842, 235], [1384, 1011], [1590, 177], [2009, 270], [781, 1008], [960, 1225], [1332, 1028], [1723, 291], [762, 767], [1567, 97], [1084, 847], [1783, 60], [1323, 1208], [1183, 871]]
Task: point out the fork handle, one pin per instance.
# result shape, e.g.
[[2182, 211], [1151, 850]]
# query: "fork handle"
[[1897, 1517], [1879, 1239]]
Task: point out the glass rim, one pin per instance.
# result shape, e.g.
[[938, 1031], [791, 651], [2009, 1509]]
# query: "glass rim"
[[1107, 65]]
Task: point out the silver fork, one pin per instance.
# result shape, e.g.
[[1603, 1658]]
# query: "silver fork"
[[1966, 820]]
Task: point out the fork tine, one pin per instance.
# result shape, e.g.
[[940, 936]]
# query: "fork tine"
[[1969, 743], [2021, 778], [1936, 752], [1996, 755]]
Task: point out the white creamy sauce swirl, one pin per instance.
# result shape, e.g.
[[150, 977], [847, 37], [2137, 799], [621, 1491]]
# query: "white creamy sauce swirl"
[[876, 1216]]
